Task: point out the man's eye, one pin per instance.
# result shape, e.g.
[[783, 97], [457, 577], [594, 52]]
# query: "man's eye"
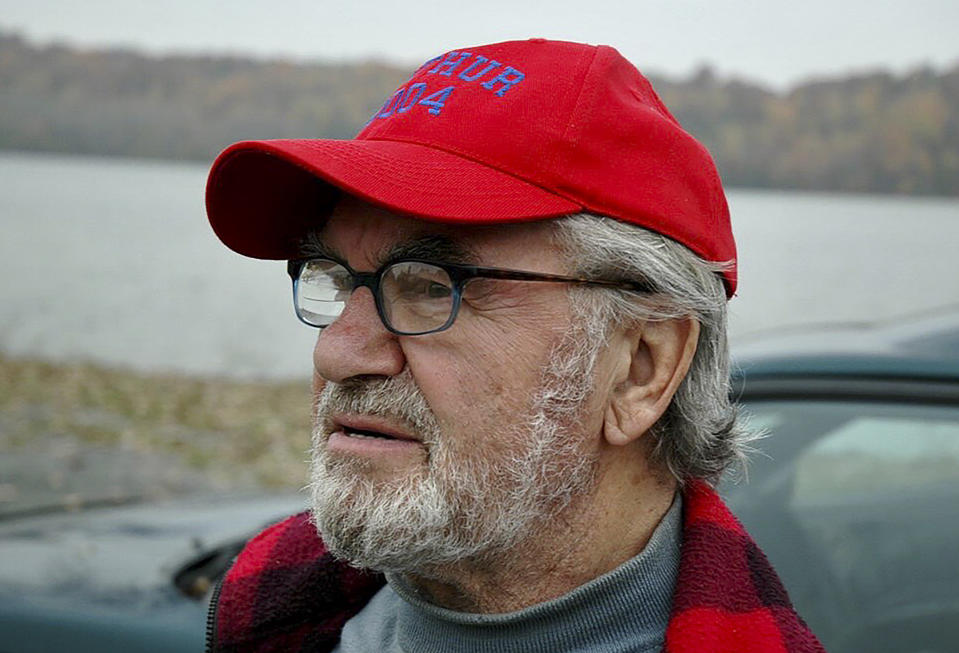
[[414, 281], [436, 290], [414, 287]]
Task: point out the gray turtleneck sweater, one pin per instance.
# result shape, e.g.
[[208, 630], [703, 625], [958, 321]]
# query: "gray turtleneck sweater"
[[626, 609]]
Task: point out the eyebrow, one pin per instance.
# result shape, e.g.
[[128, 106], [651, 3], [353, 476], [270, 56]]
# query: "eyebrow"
[[433, 247], [310, 246]]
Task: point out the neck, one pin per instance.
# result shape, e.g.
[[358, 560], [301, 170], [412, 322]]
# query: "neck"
[[591, 536]]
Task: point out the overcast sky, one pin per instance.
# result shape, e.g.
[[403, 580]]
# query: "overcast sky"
[[774, 41]]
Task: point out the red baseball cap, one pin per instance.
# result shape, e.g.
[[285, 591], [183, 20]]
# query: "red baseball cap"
[[508, 132]]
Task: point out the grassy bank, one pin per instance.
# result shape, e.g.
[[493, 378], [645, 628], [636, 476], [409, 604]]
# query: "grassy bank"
[[237, 434]]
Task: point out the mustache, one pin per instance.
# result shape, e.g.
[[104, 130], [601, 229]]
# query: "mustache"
[[396, 398]]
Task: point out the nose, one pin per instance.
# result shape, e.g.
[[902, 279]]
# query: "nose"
[[357, 343]]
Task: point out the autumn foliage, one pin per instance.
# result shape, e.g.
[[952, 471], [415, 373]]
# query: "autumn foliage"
[[877, 132]]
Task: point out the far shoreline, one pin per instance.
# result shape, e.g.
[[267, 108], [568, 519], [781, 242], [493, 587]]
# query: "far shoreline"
[[202, 165]]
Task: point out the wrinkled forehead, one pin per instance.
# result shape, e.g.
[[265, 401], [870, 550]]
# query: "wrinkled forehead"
[[365, 236]]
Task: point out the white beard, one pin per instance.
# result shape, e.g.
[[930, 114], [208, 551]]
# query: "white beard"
[[469, 501]]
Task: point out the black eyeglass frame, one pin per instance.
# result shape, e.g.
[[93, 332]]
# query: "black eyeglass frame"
[[458, 274]]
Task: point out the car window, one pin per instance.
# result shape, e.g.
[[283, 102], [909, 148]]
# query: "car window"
[[856, 503], [878, 453]]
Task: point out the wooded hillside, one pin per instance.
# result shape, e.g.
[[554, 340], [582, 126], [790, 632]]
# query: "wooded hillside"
[[872, 133]]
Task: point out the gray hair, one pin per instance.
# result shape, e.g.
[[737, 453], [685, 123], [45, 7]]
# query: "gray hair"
[[701, 433]]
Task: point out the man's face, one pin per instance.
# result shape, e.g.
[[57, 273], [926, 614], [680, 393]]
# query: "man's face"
[[453, 445]]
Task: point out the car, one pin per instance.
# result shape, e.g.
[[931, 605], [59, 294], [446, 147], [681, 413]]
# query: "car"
[[134, 578], [853, 495]]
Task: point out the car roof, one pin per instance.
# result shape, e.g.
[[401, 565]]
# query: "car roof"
[[921, 347]]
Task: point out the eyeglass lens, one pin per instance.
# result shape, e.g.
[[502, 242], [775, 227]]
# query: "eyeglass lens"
[[414, 297], [322, 291]]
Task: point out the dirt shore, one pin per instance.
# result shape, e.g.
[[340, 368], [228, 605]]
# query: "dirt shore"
[[76, 433]]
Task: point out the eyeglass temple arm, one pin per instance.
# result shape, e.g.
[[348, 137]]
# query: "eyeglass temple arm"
[[518, 275]]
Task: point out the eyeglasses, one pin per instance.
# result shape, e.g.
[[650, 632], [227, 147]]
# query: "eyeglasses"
[[413, 297]]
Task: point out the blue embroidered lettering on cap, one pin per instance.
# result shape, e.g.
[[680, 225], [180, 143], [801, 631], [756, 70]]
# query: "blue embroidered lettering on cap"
[[480, 59], [429, 62], [436, 101], [411, 96], [450, 63], [390, 105], [505, 79]]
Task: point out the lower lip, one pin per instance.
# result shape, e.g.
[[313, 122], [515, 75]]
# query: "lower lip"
[[341, 442]]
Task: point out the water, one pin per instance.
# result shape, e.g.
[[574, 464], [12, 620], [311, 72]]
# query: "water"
[[112, 260]]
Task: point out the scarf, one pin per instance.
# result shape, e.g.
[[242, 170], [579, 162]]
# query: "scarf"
[[286, 593]]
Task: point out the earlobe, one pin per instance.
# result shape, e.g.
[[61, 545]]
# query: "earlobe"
[[661, 353]]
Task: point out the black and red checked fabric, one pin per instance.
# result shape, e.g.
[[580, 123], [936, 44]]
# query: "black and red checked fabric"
[[285, 592], [728, 598]]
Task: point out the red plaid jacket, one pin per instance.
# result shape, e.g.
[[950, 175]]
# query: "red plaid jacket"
[[286, 593]]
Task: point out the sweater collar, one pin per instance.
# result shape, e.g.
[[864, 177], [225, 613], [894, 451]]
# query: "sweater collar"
[[625, 609]]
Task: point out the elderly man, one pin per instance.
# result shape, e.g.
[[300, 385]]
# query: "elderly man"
[[519, 272]]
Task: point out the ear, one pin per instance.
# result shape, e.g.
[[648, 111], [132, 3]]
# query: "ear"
[[661, 353]]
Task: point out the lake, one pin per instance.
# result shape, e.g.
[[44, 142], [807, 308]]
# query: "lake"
[[112, 260]]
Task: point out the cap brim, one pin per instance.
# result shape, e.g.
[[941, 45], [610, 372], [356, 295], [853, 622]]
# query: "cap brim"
[[263, 196]]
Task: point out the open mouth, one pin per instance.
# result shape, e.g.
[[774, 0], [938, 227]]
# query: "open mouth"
[[370, 435]]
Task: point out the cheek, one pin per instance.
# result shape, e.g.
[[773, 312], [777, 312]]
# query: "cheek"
[[462, 394], [512, 337], [483, 385]]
